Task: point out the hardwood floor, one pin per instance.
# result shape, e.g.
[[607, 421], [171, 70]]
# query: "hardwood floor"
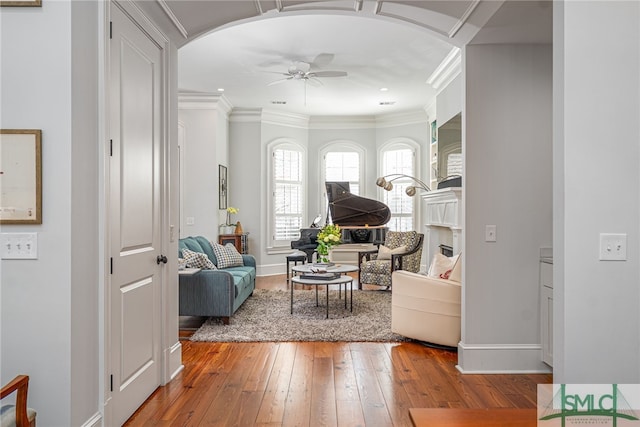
[[322, 384]]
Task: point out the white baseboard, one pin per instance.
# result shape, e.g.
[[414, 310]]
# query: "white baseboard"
[[94, 421], [501, 359], [271, 269], [175, 360]]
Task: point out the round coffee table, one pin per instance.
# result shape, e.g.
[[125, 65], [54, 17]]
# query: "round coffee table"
[[340, 280], [336, 268]]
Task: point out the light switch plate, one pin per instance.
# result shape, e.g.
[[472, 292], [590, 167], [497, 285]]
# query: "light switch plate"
[[613, 247], [490, 233], [19, 245]]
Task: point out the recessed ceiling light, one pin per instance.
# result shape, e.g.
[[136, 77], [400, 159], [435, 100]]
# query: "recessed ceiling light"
[[384, 89], [387, 102], [220, 89]]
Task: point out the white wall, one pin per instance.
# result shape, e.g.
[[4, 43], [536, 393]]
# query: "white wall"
[[596, 146], [508, 183], [206, 131], [49, 310]]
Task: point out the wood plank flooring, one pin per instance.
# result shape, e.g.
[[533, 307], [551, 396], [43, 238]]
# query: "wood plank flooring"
[[322, 384]]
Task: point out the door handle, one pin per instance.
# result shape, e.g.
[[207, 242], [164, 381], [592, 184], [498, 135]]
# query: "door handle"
[[161, 259]]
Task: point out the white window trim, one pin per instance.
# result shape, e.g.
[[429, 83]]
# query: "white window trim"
[[282, 143], [339, 146], [398, 144]]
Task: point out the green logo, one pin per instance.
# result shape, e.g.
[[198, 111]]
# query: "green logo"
[[587, 403]]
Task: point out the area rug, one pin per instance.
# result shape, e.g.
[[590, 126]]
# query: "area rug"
[[266, 316]]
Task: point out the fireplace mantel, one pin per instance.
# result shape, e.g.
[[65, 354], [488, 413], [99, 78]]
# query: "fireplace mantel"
[[443, 219]]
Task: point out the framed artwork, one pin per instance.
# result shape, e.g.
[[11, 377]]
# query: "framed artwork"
[[21, 3], [222, 187], [20, 176]]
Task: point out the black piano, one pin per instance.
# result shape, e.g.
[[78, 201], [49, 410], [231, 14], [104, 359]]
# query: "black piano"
[[362, 220]]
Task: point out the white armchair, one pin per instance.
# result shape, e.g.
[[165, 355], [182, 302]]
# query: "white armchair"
[[426, 308]]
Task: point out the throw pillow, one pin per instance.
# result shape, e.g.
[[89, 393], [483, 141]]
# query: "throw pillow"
[[440, 264], [197, 260], [385, 252], [456, 272], [228, 255]]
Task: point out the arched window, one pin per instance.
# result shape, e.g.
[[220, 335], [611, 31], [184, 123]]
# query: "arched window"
[[287, 188], [342, 161], [399, 158], [343, 166]]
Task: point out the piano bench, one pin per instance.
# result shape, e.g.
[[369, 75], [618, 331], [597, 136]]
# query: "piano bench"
[[295, 258]]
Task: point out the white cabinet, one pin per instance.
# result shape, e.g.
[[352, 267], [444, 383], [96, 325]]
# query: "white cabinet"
[[546, 308]]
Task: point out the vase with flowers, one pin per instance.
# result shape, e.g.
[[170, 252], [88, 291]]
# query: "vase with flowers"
[[328, 237], [229, 227]]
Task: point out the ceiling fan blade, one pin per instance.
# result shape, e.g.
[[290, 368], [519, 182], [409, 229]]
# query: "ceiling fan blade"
[[314, 82], [328, 74], [279, 81], [275, 72], [322, 60]]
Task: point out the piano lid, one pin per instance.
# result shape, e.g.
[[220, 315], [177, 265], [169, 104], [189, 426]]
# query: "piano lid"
[[347, 209]]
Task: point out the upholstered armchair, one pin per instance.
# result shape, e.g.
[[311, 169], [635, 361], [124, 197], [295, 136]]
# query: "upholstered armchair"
[[402, 250]]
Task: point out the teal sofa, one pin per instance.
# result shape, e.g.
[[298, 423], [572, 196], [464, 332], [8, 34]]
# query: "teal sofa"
[[214, 293]]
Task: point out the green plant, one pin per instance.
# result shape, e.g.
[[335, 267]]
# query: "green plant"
[[328, 237]]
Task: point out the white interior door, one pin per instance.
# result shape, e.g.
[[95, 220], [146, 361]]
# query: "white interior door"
[[135, 215]]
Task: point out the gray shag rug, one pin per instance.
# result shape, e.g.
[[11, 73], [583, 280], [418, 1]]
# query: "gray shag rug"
[[266, 316]]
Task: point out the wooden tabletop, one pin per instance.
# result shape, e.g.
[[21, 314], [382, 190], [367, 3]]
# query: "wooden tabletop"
[[463, 417]]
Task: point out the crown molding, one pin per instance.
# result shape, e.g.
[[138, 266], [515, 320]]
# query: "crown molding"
[[246, 115], [402, 119], [302, 121], [448, 69], [342, 122], [463, 19], [173, 18], [204, 101], [281, 118]]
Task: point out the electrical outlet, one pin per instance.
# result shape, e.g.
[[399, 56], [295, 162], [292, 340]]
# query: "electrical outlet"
[[19, 245], [490, 233], [613, 247]]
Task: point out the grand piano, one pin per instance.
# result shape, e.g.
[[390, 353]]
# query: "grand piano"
[[362, 220]]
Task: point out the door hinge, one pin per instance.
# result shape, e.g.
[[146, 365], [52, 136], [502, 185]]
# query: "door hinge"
[[110, 29], [111, 147], [111, 265], [111, 383]]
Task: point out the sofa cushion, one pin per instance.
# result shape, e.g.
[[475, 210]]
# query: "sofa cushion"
[[227, 256], [197, 260], [242, 277]]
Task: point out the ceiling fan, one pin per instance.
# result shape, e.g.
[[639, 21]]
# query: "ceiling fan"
[[307, 73]]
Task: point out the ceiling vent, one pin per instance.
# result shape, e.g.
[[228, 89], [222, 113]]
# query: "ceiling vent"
[[387, 102]]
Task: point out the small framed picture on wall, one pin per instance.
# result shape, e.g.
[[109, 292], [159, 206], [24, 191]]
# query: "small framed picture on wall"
[[20, 176], [222, 187], [21, 3]]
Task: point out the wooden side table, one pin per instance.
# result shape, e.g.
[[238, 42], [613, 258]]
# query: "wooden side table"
[[240, 241]]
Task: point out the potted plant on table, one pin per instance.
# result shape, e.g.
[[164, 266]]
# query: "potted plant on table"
[[229, 227], [328, 237]]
